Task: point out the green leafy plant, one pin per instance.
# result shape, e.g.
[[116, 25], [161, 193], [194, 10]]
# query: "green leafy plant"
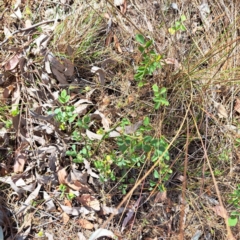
[[64, 114], [132, 151], [78, 156], [150, 59], [71, 196], [62, 189], [159, 96], [64, 97], [178, 25], [235, 201]]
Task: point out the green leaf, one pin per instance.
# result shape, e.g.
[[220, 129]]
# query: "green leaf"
[[164, 102], [183, 18], [182, 28], [232, 221], [140, 38], [141, 49], [156, 174], [171, 31], [146, 121], [163, 90], [155, 87], [157, 105], [64, 93], [148, 44]]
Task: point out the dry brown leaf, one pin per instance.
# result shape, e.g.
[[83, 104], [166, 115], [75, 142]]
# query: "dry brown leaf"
[[75, 211], [12, 63], [220, 211], [105, 102], [85, 224], [173, 61], [101, 74], [69, 68], [62, 175], [161, 197], [8, 90], [67, 203], [109, 39], [130, 213], [117, 44], [19, 163], [111, 210], [20, 158], [237, 105], [65, 218], [89, 201], [222, 112]]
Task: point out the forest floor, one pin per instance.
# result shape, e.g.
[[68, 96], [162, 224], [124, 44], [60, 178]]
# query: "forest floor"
[[119, 119]]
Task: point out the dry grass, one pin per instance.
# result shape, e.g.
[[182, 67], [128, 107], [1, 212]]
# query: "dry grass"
[[208, 54]]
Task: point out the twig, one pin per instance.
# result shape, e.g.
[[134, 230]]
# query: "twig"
[[29, 28], [229, 232], [184, 186]]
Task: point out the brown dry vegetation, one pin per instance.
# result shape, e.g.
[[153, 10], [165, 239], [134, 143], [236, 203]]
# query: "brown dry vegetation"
[[200, 70]]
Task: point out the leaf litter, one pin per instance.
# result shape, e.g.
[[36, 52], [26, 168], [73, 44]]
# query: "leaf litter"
[[40, 63]]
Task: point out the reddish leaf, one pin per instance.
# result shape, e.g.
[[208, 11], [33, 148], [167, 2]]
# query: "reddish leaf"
[[12, 63]]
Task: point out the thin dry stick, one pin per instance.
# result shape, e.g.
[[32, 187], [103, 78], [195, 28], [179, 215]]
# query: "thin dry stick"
[[150, 170], [184, 186], [229, 232]]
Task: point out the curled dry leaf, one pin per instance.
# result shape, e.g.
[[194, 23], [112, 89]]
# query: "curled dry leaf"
[[173, 61], [220, 211], [111, 210], [75, 211], [48, 202], [89, 169], [62, 176], [161, 197], [12, 62], [222, 112], [101, 232], [130, 213], [117, 44], [89, 201], [69, 68], [20, 160], [8, 90], [101, 74], [85, 224]]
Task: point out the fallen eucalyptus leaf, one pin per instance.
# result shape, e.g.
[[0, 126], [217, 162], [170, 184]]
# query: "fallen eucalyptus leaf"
[[75, 211]]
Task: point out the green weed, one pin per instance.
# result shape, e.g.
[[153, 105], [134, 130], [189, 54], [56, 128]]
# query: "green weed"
[[64, 114], [178, 25], [235, 201], [150, 59], [159, 96]]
